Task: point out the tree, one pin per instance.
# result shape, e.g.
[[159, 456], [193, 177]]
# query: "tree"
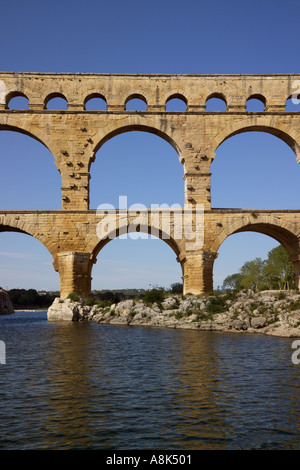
[[232, 282], [251, 274], [278, 270], [177, 288]]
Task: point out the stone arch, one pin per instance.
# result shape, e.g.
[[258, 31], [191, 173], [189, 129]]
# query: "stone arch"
[[53, 95], [136, 96], [123, 228], [292, 103], [15, 94], [257, 97], [17, 224], [37, 135], [282, 233], [218, 96], [258, 125], [92, 96], [177, 96], [40, 137], [121, 224], [134, 123]]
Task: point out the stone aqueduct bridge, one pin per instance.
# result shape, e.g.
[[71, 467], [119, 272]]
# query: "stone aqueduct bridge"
[[75, 234]]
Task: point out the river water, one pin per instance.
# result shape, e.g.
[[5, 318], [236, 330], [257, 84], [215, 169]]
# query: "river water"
[[90, 386]]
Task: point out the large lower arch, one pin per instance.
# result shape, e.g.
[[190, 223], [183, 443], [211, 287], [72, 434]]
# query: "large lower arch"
[[27, 260], [282, 234], [138, 264], [126, 231], [17, 225]]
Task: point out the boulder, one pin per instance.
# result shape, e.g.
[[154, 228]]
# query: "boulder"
[[64, 310], [6, 306], [125, 307], [239, 325], [169, 303], [258, 322]]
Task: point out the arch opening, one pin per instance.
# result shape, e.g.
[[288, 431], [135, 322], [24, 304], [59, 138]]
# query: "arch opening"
[[260, 170], [56, 102], [256, 103], [25, 263], [135, 261], [138, 165], [216, 102], [292, 104], [176, 103], [18, 101], [22, 159], [136, 102], [95, 102], [243, 247]]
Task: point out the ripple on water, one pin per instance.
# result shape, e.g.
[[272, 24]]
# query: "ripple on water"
[[90, 386]]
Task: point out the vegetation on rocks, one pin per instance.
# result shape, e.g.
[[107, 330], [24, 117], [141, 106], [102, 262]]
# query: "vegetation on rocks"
[[251, 300], [270, 312]]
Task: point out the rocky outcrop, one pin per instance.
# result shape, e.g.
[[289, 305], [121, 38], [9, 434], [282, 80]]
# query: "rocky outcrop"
[[6, 306], [270, 312]]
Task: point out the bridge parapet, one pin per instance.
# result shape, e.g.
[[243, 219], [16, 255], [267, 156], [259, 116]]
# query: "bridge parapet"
[[156, 90]]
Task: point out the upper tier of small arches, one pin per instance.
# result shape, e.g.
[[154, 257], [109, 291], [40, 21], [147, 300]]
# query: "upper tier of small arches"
[[147, 96]]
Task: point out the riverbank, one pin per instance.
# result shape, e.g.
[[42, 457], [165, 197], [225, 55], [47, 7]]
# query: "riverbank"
[[274, 313]]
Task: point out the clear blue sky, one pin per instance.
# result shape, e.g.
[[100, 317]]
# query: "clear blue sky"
[[173, 37]]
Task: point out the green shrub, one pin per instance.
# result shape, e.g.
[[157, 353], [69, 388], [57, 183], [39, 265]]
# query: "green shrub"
[[293, 305], [74, 297], [216, 304], [89, 301], [154, 295], [177, 288], [104, 303], [281, 295], [254, 306], [178, 315]]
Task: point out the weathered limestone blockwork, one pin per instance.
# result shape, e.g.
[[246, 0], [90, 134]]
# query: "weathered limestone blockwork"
[[75, 272], [74, 136], [75, 239]]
